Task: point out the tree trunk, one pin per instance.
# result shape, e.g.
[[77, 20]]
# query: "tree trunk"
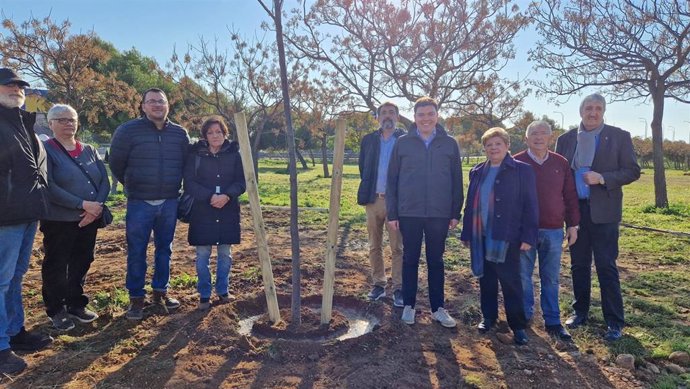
[[255, 149], [290, 137], [660, 194], [301, 159], [324, 156]]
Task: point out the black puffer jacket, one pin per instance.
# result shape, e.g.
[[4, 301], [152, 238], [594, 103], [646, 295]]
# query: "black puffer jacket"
[[204, 173], [23, 169], [424, 182], [147, 160]]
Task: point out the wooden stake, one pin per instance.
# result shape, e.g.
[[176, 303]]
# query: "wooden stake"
[[334, 214], [255, 207]]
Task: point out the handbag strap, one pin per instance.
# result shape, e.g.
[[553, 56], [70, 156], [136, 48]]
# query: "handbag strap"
[[76, 163]]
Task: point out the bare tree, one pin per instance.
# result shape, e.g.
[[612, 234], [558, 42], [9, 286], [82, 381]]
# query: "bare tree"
[[632, 49], [451, 50], [275, 12]]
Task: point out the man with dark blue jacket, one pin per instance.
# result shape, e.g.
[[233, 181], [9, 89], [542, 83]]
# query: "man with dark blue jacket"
[[23, 173], [423, 199], [147, 155], [374, 156]]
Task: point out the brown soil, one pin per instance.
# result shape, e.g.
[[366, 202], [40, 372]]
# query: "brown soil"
[[191, 348]]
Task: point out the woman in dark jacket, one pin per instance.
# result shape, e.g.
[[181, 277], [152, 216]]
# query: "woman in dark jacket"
[[214, 177], [501, 218], [69, 229]]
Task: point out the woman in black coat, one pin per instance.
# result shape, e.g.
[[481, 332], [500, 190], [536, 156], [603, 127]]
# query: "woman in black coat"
[[214, 177]]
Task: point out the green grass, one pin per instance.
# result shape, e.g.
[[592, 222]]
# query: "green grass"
[[108, 300], [183, 281]]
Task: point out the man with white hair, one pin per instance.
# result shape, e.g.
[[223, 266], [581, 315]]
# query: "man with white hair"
[[557, 200], [23, 175], [602, 160]]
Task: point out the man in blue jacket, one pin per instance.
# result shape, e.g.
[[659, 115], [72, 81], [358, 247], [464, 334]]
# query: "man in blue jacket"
[[374, 156], [147, 155], [423, 199], [23, 173]]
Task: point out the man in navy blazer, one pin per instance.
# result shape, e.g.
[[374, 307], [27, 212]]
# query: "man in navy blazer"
[[602, 160]]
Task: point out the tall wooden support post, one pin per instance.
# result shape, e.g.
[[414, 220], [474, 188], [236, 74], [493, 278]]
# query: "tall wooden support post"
[[259, 227], [333, 215]]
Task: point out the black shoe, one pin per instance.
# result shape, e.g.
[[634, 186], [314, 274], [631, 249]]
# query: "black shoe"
[[613, 334], [82, 315], [557, 331], [576, 320], [520, 337], [11, 363], [376, 293], [26, 341], [486, 326], [398, 299]]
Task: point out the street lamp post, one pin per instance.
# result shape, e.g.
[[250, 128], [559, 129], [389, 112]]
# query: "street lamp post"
[[685, 121], [645, 126], [562, 118], [674, 133]]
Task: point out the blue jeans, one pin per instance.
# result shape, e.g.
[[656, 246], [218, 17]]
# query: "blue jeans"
[[601, 242], [15, 251], [141, 219], [434, 232], [549, 250], [203, 270]]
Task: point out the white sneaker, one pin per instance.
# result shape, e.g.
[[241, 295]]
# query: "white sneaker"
[[408, 315], [442, 316]]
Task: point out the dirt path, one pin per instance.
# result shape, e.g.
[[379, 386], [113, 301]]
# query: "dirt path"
[[195, 349]]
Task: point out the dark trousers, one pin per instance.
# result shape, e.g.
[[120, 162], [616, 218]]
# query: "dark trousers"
[[434, 232], [508, 274], [68, 256], [600, 240]]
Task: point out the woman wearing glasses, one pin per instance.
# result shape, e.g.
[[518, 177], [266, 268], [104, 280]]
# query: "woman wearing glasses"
[[214, 177], [77, 186]]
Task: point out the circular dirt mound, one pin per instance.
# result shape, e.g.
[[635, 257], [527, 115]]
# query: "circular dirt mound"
[[311, 327], [351, 318]]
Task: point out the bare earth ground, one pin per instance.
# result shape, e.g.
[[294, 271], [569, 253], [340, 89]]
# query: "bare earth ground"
[[203, 349]]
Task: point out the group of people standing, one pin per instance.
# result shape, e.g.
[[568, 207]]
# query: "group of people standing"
[[518, 209], [64, 183]]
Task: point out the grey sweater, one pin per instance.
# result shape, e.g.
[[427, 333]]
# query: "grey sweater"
[[68, 186]]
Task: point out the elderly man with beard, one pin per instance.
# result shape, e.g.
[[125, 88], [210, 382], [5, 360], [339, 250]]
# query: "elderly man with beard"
[[23, 174], [374, 155]]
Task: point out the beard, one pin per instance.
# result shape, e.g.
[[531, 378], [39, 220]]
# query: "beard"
[[10, 101], [387, 124]]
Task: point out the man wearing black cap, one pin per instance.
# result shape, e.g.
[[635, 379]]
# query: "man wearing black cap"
[[22, 203]]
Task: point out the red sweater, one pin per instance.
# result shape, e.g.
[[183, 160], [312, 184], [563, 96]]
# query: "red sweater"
[[555, 191]]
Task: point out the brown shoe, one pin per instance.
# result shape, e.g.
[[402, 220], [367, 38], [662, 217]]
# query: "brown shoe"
[[162, 298], [136, 308]]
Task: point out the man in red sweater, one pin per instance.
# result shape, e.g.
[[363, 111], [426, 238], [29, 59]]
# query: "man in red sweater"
[[557, 204]]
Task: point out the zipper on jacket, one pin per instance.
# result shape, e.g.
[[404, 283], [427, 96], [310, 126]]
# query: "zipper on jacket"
[[160, 164], [9, 187]]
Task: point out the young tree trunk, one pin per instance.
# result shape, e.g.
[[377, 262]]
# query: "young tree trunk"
[[660, 194], [302, 160], [290, 137], [324, 156]]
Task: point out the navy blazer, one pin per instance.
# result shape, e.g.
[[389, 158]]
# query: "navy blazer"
[[615, 160], [516, 208]]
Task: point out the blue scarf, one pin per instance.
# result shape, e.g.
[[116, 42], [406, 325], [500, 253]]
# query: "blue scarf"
[[482, 246]]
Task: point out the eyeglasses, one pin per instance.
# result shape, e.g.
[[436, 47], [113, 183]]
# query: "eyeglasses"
[[65, 120], [156, 102]]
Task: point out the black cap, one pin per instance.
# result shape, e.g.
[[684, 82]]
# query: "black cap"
[[8, 76]]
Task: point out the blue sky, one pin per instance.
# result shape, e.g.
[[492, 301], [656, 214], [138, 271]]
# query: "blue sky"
[[155, 27]]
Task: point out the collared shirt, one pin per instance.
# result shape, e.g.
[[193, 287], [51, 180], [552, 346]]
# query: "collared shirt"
[[536, 159], [427, 141], [385, 151]]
